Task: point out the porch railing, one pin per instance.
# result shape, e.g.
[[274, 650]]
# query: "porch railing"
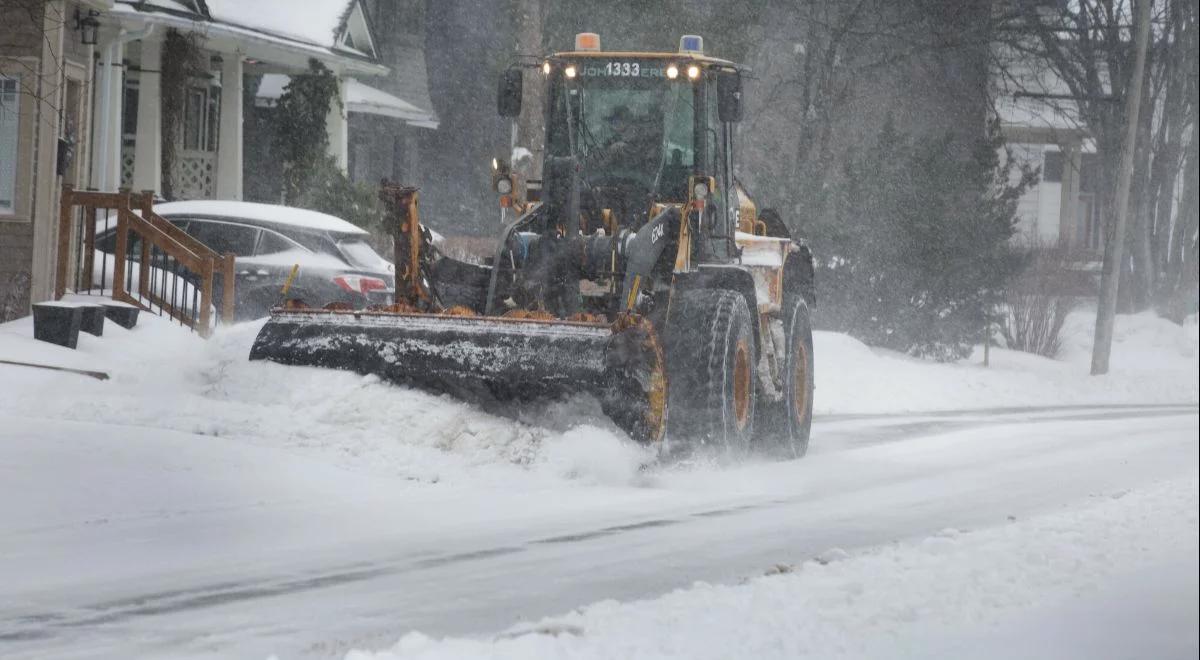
[[142, 260]]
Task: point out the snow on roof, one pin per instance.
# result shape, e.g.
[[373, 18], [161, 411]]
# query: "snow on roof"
[[331, 30], [359, 97], [313, 21], [266, 213]]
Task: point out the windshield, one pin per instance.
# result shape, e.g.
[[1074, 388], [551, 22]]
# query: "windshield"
[[625, 121]]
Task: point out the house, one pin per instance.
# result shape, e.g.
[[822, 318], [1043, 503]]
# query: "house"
[[225, 40], [105, 64], [46, 82], [1042, 128], [388, 115]]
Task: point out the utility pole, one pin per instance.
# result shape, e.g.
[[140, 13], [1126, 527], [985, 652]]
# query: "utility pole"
[[1114, 248], [530, 21]]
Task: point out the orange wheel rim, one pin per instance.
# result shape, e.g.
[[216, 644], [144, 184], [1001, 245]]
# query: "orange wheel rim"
[[741, 385], [800, 381]]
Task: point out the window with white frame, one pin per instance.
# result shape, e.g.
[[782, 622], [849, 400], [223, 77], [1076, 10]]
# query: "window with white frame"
[[9, 133], [201, 117]]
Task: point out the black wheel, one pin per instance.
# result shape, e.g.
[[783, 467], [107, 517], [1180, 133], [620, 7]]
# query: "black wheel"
[[710, 367], [785, 424]]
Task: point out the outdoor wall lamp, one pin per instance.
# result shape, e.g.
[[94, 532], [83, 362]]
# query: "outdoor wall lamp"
[[88, 26]]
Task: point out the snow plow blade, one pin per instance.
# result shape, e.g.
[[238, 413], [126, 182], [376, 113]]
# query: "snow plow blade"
[[474, 357]]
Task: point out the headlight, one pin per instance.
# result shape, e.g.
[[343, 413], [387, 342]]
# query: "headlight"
[[672, 72], [570, 71], [504, 186], [700, 190], [546, 67], [693, 72]]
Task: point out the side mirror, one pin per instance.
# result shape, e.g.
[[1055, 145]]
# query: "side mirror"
[[729, 96], [508, 93]]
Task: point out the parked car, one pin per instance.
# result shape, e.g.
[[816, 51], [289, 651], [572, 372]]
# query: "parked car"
[[336, 261]]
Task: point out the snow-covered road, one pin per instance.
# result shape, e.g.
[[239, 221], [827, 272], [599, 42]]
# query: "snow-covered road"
[[212, 547]]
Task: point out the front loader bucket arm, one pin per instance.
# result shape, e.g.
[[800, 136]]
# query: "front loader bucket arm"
[[410, 248]]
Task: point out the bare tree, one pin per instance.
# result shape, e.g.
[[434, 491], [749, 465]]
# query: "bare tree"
[[825, 69], [1088, 48], [21, 18]]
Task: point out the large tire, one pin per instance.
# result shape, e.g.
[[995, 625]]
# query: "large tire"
[[785, 425], [710, 366]]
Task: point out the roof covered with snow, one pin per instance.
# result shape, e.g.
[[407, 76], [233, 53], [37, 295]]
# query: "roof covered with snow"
[[263, 213], [339, 29]]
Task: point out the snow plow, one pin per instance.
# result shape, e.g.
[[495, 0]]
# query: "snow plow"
[[637, 269]]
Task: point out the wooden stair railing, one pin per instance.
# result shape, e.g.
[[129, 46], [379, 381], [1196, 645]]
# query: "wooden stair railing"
[[175, 273]]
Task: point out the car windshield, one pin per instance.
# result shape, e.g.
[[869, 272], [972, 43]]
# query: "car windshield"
[[360, 254], [625, 120]]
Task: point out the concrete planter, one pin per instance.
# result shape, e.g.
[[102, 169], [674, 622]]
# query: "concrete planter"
[[57, 323]]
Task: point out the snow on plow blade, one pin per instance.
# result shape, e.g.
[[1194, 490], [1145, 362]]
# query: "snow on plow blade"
[[484, 357]]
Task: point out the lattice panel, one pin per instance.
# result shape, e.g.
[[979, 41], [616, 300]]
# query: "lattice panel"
[[194, 175], [127, 151]]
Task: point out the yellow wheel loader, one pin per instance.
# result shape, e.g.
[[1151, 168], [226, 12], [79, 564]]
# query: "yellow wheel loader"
[[637, 269]]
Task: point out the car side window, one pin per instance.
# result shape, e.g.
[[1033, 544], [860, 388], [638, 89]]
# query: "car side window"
[[107, 241], [272, 243], [222, 237]]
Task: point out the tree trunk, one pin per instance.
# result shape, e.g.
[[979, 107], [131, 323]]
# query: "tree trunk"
[[1179, 289], [1142, 267], [1113, 257]]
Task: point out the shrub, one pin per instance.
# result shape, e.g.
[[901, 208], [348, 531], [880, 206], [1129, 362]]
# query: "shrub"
[[311, 177], [1034, 310]]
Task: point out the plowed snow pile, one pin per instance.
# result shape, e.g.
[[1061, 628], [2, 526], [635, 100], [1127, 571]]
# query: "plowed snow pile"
[[1153, 361], [166, 377]]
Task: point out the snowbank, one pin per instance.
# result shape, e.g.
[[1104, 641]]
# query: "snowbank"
[[1153, 361], [1001, 592], [165, 377]]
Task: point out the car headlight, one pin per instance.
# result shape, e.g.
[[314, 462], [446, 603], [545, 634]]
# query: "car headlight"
[[700, 190], [504, 186]]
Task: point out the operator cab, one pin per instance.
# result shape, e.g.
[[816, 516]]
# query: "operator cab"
[[627, 131]]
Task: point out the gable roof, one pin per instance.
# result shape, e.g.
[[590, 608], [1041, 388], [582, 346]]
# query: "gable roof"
[[327, 23]]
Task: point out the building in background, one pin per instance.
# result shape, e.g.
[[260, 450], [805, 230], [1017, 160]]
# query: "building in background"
[[46, 78], [1042, 128], [233, 39], [89, 73]]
